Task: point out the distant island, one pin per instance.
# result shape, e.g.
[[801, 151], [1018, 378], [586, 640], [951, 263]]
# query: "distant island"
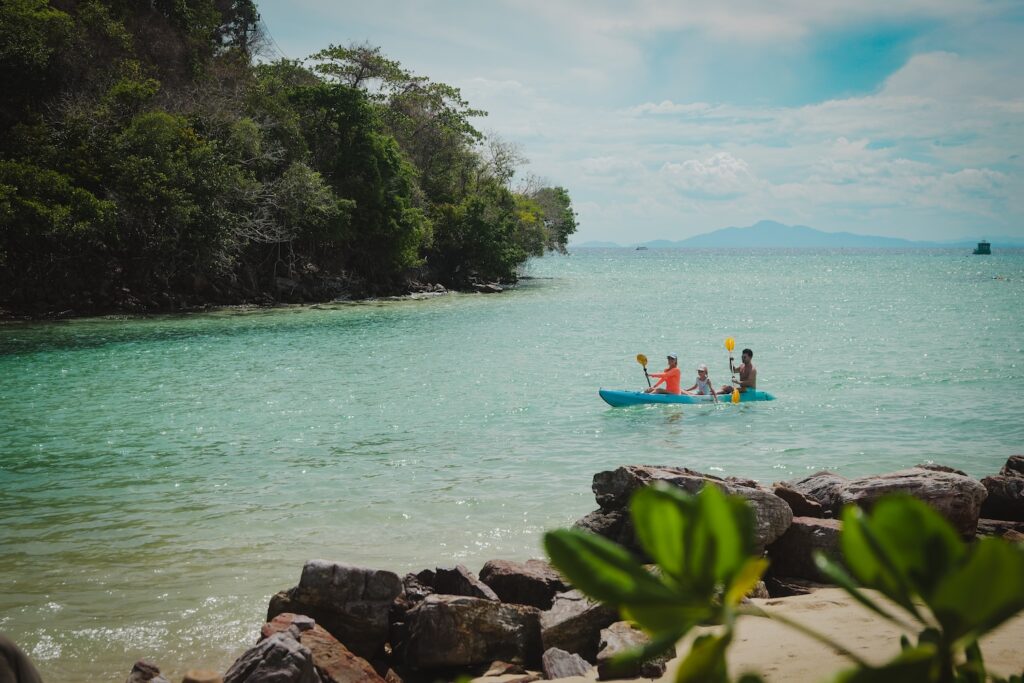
[[770, 234]]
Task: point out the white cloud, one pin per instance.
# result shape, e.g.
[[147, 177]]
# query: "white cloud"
[[719, 176]]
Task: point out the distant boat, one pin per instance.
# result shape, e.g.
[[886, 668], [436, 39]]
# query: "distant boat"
[[983, 248], [641, 248]]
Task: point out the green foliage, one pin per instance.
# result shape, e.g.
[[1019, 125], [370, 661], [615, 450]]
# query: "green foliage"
[[955, 592], [702, 546]]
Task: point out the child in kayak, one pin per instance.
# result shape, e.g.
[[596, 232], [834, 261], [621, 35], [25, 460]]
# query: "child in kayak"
[[703, 384], [671, 378]]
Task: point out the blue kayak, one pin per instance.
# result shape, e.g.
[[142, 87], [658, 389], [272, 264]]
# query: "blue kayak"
[[635, 398]]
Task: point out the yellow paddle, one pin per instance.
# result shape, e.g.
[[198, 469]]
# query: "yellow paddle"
[[735, 396], [730, 344], [642, 360]]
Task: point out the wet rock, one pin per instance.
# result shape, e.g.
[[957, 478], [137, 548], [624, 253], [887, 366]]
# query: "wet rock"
[[460, 581], [1005, 497], [334, 661], [449, 631], [793, 554], [352, 603], [534, 582], [561, 664], [825, 488], [145, 672], [621, 637], [281, 658], [955, 497], [800, 504], [615, 525], [574, 624], [613, 489]]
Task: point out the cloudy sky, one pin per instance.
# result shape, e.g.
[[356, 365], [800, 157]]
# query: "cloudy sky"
[[666, 119]]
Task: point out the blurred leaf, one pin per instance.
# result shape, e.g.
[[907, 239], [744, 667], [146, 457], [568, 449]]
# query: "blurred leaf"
[[678, 618], [656, 647], [705, 662], [602, 569], [839, 576], [983, 592], [915, 664], [658, 517], [745, 580]]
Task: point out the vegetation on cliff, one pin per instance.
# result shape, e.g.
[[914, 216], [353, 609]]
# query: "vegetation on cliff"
[[150, 159]]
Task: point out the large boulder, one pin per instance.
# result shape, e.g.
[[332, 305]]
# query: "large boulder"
[[613, 490], [561, 664], [956, 497], [824, 488], [793, 554], [334, 662], [281, 658], [622, 637], [458, 580], [1005, 498], [574, 624], [1014, 466], [352, 603], [452, 631], [533, 583], [801, 505]]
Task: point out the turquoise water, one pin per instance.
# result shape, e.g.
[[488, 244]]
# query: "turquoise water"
[[161, 477]]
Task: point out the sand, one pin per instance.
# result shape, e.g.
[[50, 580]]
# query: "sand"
[[780, 654]]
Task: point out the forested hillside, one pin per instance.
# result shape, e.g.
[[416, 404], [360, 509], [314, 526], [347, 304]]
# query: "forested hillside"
[[152, 158]]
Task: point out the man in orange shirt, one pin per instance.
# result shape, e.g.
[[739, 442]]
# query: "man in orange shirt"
[[670, 377]]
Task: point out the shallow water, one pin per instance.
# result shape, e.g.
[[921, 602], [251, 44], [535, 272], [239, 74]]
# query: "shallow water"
[[162, 477]]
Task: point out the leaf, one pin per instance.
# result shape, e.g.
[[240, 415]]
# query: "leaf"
[[705, 663], [679, 617], [983, 592], [602, 569], [916, 664], [656, 647], [658, 517], [839, 576], [745, 580]]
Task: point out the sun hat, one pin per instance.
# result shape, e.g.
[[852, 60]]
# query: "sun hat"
[[673, 356]]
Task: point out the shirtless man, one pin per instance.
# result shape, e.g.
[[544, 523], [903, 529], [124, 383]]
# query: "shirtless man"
[[670, 378], [748, 374]]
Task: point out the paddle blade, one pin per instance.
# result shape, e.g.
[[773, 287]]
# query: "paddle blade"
[[735, 396], [641, 359], [730, 344]]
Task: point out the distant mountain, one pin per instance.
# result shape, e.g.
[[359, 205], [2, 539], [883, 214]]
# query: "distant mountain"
[[770, 234], [594, 244]]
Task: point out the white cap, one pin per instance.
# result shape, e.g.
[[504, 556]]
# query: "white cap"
[[702, 368], [673, 356]]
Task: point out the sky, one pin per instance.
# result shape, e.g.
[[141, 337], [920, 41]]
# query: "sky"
[[667, 119]]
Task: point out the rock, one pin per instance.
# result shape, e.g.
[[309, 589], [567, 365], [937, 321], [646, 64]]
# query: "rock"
[[534, 582], [487, 287], [201, 676], [499, 668], [334, 661], [352, 603], [771, 514], [1005, 497], [955, 497], [998, 527], [574, 624], [621, 637], [935, 467], [461, 581], [801, 505], [1014, 466], [281, 658], [1014, 536], [615, 525], [561, 664], [793, 554], [145, 672], [760, 590], [450, 630], [785, 586], [825, 488], [415, 589]]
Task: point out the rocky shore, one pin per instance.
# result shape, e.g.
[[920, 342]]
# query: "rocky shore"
[[520, 621]]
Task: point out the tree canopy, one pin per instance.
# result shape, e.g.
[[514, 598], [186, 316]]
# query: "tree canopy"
[[150, 159]]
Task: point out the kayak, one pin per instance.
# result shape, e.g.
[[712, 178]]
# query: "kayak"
[[633, 398]]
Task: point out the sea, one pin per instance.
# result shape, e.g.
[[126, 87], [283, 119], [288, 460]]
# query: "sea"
[[162, 476]]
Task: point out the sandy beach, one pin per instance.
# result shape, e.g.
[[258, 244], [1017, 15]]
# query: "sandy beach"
[[781, 654]]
